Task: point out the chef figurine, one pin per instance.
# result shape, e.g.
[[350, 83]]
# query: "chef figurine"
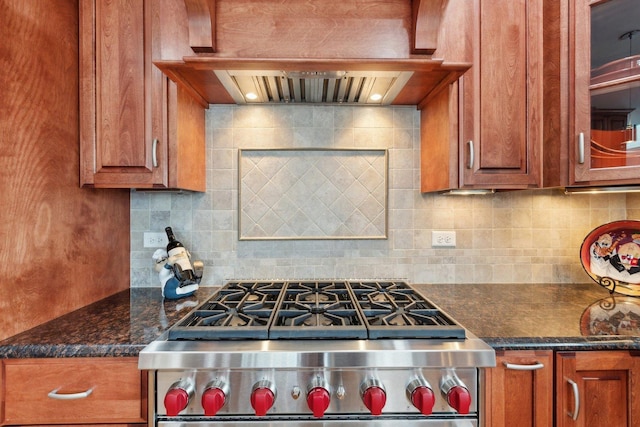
[[172, 288]]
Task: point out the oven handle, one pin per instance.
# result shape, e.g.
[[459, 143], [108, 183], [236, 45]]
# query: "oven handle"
[[53, 394], [576, 400], [516, 367]]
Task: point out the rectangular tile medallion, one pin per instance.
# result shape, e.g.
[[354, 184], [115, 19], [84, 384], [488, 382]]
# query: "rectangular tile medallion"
[[312, 194]]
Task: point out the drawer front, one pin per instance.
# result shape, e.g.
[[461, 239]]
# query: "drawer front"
[[74, 390]]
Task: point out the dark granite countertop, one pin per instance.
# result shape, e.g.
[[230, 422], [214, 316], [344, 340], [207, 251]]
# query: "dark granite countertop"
[[507, 316], [120, 325], [540, 316]]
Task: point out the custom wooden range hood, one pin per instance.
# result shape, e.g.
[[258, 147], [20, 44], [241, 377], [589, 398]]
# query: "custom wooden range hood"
[[301, 52]]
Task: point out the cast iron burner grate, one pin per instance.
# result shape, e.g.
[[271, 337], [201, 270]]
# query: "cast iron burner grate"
[[236, 311], [395, 310], [316, 310]]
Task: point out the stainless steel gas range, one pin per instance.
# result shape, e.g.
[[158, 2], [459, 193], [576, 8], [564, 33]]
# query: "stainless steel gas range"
[[316, 353]]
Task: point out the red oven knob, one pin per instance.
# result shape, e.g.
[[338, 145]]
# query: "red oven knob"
[[374, 399], [213, 399], [458, 395], [420, 394], [177, 397], [262, 397], [423, 399], [459, 399], [175, 401], [318, 400], [373, 395]]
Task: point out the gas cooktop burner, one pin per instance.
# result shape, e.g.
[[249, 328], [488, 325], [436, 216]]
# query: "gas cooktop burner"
[[316, 310]]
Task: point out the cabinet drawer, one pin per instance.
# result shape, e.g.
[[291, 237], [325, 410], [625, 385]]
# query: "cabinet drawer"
[[85, 390]]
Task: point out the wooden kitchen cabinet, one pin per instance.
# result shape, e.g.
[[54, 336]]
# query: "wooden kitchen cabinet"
[[490, 134], [138, 129], [519, 390], [89, 390], [597, 388], [604, 81]]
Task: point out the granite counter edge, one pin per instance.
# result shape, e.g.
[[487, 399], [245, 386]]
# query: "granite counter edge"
[[565, 343], [31, 351], [35, 351]]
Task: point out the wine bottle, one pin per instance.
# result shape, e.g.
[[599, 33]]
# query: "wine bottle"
[[182, 267]]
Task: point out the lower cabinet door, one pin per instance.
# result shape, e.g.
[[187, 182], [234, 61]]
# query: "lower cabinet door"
[[519, 390], [597, 388], [73, 391]]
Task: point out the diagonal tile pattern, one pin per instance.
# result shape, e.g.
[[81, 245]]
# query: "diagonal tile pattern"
[[312, 194]]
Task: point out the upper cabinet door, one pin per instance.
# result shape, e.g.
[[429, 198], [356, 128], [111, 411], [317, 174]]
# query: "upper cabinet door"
[[138, 129], [604, 42], [117, 143], [501, 97]]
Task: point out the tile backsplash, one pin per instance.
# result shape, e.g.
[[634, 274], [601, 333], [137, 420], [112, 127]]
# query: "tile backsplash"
[[520, 236], [312, 194]]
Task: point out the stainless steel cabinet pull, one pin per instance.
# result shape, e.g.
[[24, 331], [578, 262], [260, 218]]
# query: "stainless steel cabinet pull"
[[53, 394], [154, 152], [581, 148], [576, 400], [517, 367], [471, 155]]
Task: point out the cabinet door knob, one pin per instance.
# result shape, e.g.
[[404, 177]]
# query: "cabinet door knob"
[[576, 400], [154, 152], [581, 148], [517, 367], [471, 155]]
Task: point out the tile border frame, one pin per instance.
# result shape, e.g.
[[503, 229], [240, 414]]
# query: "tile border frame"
[[384, 236]]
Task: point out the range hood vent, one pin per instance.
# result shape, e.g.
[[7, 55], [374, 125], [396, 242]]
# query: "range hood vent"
[[299, 53], [313, 87]]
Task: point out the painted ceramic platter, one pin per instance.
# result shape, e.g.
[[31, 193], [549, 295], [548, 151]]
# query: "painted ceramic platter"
[[610, 254], [612, 316]]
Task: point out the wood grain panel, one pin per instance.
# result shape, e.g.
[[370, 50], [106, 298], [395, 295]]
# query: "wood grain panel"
[[61, 247], [117, 390], [186, 123], [607, 384], [426, 23], [455, 36], [522, 398], [123, 125], [120, 71], [172, 27], [327, 29], [202, 25], [438, 136], [502, 104], [580, 79], [556, 96], [504, 66]]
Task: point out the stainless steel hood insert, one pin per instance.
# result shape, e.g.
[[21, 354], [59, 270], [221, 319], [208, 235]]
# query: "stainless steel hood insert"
[[313, 87]]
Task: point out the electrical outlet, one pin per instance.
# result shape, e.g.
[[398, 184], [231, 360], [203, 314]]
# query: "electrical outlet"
[[155, 240], [443, 239]]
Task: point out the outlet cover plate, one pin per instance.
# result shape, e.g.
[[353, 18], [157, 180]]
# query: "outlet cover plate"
[[155, 240], [443, 239]]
